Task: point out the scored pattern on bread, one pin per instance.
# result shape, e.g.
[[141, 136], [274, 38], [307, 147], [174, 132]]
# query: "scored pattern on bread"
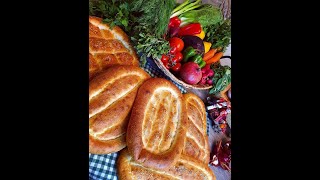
[[156, 129], [111, 95], [196, 144], [186, 168], [108, 47], [165, 108]]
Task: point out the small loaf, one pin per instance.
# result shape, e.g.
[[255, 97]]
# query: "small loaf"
[[196, 144], [108, 47], [157, 127], [186, 168], [111, 95]]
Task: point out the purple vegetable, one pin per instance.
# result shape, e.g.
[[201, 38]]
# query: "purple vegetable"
[[195, 42], [173, 31]]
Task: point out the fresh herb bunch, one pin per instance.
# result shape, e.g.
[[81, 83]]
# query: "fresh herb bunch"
[[221, 78], [219, 34], [155, 14], [151, 19], [115, 12], [149, 45]]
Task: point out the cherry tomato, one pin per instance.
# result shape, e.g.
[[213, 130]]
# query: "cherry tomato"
[[167, 64], [177, 43], [177, 57], [176, 67], [173, 50], [164, 58]]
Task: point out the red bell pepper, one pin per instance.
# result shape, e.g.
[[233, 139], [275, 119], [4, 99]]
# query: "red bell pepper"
[[190, 29], [174, 22]]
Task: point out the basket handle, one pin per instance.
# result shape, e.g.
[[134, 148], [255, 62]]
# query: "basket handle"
[[224, 57]]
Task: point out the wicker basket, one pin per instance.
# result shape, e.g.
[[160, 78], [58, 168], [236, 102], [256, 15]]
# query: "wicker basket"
[[179, 81], [225, 6]]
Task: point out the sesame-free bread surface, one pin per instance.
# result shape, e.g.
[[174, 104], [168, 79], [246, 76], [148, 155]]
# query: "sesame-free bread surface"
[[157, 127], [111, 95], [196, 144], [108, 47], [186, 168]]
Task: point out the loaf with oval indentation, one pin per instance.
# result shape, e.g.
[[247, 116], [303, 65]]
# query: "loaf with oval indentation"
[[111, 96], [157, 127], [196, 144]]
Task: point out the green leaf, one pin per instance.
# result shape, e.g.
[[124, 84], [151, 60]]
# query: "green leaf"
[[212, 91], [102, 7], [141, 35], [143, 59], [221, 78], [116, 12], [124, 6], [219, 84], [148, 48], [124, 22], [112, 24]]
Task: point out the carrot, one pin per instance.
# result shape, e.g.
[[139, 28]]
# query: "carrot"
[[209, 54], [215, 58]]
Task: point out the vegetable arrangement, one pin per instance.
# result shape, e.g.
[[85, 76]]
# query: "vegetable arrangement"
[[188, 38], [205, 35]]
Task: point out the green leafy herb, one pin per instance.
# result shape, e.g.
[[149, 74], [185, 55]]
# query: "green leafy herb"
[[219, 34], [115, 13], [221, 78], [149, 45], [155, 14]]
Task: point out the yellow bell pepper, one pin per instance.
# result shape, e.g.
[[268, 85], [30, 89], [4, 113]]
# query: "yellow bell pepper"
[[207, 46], [201, 34]]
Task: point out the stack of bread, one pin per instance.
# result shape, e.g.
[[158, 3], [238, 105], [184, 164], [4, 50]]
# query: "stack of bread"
[[164, 130], [108, 47]]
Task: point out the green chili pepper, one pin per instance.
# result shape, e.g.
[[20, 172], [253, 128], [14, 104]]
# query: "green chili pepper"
[[196, 59], [202, 64], [187, 53]]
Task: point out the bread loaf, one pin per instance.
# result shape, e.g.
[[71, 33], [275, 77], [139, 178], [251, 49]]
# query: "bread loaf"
[[108, 47], [186, 168], [111, 95], [157, 127], [196, 144]]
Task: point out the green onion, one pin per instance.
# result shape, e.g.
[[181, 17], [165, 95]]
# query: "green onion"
[[180, 6], [186, 8]]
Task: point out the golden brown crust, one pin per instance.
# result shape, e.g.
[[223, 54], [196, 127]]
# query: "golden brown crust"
[[197, 145], [186, 168], [111, 95], [97, 146], [157, 127], [108, 47]]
